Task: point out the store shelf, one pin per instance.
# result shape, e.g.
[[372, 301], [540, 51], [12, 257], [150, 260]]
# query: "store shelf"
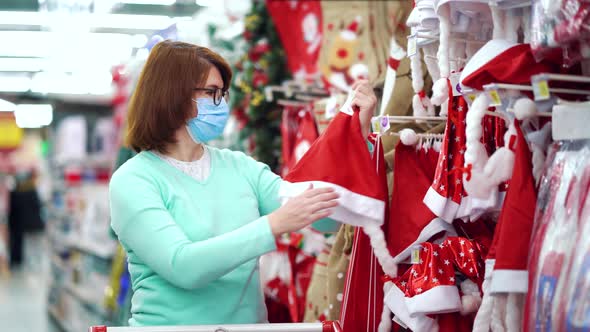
[[87, 299], [93, 248], [59, 320]]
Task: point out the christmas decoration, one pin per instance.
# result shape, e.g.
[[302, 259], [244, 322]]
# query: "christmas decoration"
[[262, 64]]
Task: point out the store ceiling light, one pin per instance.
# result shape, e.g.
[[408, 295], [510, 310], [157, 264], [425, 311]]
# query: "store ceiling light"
[[21, 64], [33, 115], [6, 106], [9, 83], [207, 3], [92, 21]]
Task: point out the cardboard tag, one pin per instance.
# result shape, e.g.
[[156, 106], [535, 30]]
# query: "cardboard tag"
[[385, 125], [331, 107], [495, 99], [415, 259], [268, 93], [399, 322], [412, 45], [376, 124], [455, 79], [347, 107], [541, 90]]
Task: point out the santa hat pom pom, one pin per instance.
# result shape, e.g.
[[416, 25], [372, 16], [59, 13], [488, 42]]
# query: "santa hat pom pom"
[[440, 92], [471, 300], [408, 136], [524, 108], [470, 304]]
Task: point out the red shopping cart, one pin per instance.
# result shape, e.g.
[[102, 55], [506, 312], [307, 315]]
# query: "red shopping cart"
[[297, 327]]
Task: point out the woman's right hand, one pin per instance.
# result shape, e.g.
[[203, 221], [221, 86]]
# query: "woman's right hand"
[[303, 210]]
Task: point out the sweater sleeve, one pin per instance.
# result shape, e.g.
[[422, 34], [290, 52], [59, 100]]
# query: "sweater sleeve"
[[145, 227], [265, 183]]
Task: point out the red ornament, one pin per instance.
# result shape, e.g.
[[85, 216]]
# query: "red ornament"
[[361, 55], [247, 35], [259, 79]]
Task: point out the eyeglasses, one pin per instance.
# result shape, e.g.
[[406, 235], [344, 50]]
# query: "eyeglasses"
[[216, 94]]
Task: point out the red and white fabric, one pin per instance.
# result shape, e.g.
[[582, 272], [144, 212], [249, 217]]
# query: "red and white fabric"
[[446, 192], [362, 197], [362, 188], [413, 222], [429, 287], [301, 40], [362, 306], [518, 213], [299, 131]]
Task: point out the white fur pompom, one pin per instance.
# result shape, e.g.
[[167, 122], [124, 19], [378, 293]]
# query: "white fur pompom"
[[408, 136], [524, 108], [500, 165], [440, 92], [470, 303]]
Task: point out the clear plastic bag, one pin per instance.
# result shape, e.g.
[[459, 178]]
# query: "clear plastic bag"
[[561, 24], [553, 244]]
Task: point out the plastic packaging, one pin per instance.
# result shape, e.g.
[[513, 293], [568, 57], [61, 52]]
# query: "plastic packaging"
[[552, 244], [561, 24]]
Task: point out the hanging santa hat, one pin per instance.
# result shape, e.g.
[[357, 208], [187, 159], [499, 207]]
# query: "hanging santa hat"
[[502, 61], [353, 175], [413, 222], [518, 212]]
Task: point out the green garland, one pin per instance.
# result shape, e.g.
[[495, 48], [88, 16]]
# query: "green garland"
[[262, 64]]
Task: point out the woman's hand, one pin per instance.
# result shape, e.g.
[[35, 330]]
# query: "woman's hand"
[[303, 210], [366, 101]]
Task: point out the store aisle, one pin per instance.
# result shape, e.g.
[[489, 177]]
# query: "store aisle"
[[23, 297]]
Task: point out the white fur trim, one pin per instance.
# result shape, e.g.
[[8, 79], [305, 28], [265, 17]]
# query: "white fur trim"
[[445, 208], [440, 92], [385, 323], [348, 35], [524, 108], [416, 71], [436, 226], [510, 281], [437, 300], [354, 209], [396, 301], [489, 269]]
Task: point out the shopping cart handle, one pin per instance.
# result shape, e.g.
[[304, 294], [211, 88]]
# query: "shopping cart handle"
[[328, 326]]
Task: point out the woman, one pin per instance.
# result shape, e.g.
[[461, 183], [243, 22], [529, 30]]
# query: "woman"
[[194, 219]]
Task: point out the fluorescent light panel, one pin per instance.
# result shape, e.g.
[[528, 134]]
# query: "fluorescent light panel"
[[33, 115], [6, 106], [92, 21]]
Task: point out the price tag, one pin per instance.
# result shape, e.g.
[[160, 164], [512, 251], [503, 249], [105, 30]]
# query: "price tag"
[[385, 125], [376, 124], [495, 98], [454, 78], [331, 107], [268, 93], [347, 107], [415, 255], [412, 45], [541, 90]]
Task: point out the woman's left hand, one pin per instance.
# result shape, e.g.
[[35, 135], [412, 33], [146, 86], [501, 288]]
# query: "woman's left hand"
[[366, 101]]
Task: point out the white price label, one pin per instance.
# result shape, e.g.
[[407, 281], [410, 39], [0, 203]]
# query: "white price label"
[[412, 46]]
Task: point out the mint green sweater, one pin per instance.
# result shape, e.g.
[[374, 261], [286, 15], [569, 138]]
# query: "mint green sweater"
[[192, 246]]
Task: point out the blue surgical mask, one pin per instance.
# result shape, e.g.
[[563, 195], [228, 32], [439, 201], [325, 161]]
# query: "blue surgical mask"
[[209, 122]]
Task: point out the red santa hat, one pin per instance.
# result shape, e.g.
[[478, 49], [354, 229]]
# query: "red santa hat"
[[361, 188], [413, 222], [517, 217], [502, 61], [351, 32]]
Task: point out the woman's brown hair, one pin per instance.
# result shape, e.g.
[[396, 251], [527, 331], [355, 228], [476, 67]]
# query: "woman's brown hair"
[[161, 102]]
